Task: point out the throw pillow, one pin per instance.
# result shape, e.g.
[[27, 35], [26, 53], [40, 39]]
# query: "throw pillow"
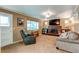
[[64, 35]]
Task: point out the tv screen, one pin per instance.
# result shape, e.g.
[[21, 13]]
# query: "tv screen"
[[54, 22]]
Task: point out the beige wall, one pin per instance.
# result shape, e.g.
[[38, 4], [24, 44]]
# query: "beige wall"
[[16, 29], [74, 27], [62, 23], [43, 25], [0, 50]]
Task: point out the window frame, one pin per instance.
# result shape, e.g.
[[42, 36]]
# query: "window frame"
[[8, 23], [31, 25]]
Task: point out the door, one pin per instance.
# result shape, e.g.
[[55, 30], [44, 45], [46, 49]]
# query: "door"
[[6, 26]]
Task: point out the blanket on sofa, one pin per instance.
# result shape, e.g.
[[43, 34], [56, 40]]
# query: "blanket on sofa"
[[69, 36]]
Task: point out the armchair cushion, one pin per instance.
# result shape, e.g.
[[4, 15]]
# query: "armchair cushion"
[[27, 38]]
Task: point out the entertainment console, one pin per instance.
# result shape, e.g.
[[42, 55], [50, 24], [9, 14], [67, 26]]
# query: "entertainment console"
[[54, 30]]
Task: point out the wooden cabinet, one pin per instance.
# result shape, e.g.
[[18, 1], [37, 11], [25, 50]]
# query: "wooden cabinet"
[[35, 33]]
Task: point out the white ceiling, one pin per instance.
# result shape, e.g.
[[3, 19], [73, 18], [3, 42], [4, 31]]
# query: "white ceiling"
[[62, 11]]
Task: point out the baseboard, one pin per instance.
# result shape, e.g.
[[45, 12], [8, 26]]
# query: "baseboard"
[[13, 43], [17, 41]]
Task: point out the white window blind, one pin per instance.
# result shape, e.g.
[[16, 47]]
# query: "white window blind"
[[4, 20]]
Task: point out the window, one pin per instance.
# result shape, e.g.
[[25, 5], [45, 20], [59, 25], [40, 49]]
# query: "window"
[[32, 25], [4, 21]]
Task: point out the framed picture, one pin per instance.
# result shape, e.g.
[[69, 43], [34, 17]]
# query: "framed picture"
[[20, 21]]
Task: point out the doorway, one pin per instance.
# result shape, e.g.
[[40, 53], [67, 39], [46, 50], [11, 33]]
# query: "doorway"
[[6, 29]]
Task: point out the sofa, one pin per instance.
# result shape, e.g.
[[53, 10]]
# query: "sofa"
[[68, 41], [27, 38]]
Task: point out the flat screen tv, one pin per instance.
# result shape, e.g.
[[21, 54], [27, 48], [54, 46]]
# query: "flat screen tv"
[[54, 22]]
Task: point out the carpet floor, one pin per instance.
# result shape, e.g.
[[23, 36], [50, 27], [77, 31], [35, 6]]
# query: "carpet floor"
[[44, 44]]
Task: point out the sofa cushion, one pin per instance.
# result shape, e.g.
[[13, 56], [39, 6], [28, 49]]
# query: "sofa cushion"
[[27, 34], [69, 41]]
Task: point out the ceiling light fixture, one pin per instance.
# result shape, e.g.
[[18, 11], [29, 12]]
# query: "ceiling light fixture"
[[47, 13], [66, 21]]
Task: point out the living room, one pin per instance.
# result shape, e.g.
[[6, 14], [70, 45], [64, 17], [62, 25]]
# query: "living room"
[[39, 29]]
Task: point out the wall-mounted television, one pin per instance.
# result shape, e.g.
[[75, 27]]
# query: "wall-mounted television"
[[54, 22]]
